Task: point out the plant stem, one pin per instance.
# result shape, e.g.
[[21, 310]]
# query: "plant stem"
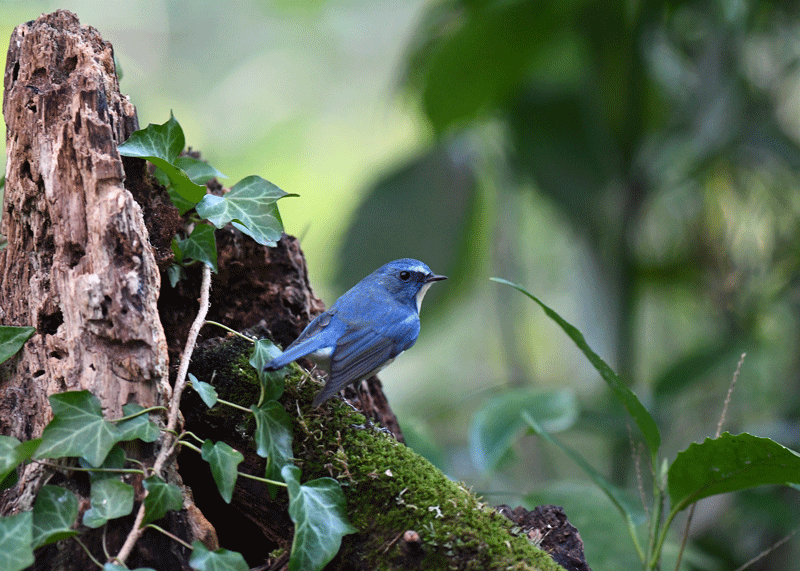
[[229, 330], [264, 480], [140, 413], [170, 440], [170, 535]]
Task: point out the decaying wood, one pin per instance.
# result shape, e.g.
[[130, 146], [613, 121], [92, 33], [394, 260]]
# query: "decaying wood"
[[78, 266]]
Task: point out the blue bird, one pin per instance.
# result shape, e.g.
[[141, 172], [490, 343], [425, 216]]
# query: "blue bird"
[[370, 325]]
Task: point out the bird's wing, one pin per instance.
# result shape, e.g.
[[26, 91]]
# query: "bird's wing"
[[313, 338]]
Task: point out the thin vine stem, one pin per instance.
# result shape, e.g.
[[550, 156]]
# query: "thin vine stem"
[[170, 440], [229, 330]]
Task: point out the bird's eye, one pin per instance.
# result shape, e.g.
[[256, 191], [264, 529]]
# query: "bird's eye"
[[404, 275]]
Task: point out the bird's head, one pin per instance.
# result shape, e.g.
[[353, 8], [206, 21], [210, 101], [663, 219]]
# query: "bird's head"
[[406, 280]]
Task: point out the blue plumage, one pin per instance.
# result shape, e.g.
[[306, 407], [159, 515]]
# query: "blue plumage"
[[370, 325]]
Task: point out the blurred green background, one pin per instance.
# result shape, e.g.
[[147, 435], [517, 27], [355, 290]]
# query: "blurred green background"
[[634, 164]]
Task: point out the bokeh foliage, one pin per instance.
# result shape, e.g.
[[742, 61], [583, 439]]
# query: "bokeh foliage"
[[665, 133]]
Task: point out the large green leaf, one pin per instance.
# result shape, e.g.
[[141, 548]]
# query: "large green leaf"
[[498, 422], [203, 559], [12, 339], [251, 206], [77, 429], [223, 461], [16, 536], [161, 498], [273, 436], [54, 513], [110, 498], [318, 510], [643, 419], [161, 145], [727, 464]]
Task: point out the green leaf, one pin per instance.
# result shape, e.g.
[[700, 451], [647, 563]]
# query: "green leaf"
[[115, 567], [271, 381], [498, 422], [12, 339], [16, 535], [140, 427], [161, 498], [198, 171], [643, 419], [161, 145], [273, 437], [77, 429], [251, 206], [727, 464], [12, 454], [111, 498], [318, 510], [201, 245], [54, 512], [115, 460], [615, 494], [220, 560], [223, 461], [174, 273], [206, 391]]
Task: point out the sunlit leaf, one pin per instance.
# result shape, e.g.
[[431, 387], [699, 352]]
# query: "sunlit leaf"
[[203, 559], [643, 419], [223, 461], [111, 498], [318, 510], [498, 422], [198, 171], [251, 206], [16, 536], [161, 145], [77, 429], [54, 513], [161, 498], [12, 339], [727, 464]]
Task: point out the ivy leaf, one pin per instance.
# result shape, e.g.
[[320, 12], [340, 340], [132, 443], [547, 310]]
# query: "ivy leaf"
[[201, 245], [727, 464], [174, 273], [207, 392], [223, 461], [161, 145], [54, 512], [12, 454], [111, 498], [273, 438], [198, 171], [251, 206], [115, 460], [140, 427], [271, 381], [219, 560], [643, 419], [12, 339], [115, 567], [16, 535], [161, 498], [318, 510], [77, 429]]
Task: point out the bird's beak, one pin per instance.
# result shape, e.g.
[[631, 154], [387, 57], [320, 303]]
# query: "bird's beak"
[[434, 278]]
